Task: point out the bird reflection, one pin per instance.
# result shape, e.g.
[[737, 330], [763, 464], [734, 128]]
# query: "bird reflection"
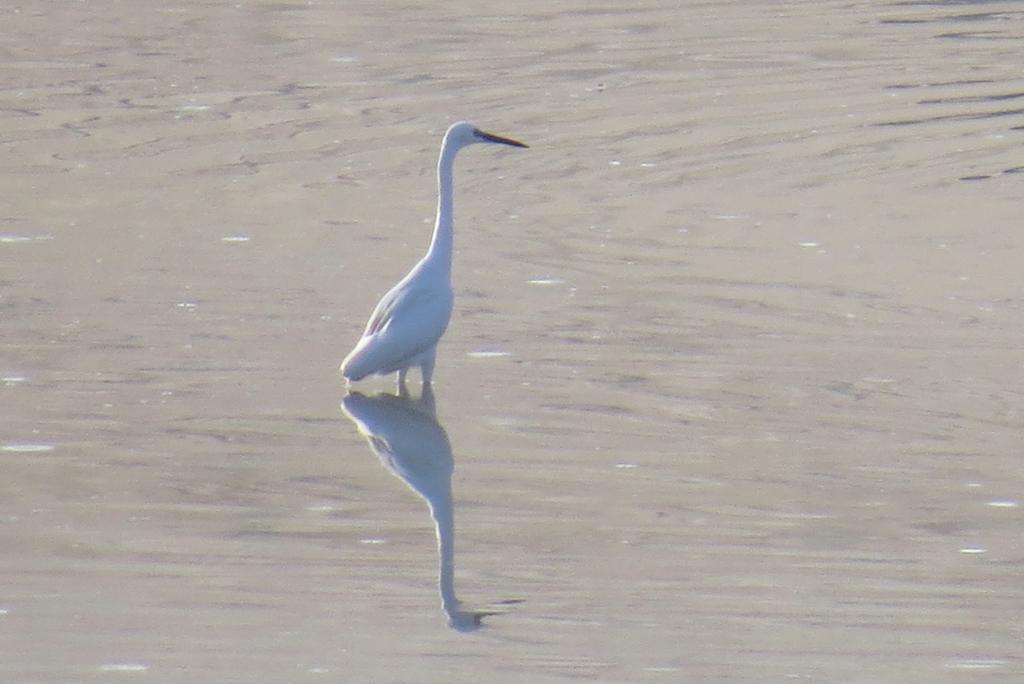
[[408, 439]]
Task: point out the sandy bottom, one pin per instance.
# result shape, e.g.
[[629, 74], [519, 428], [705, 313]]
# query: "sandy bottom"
[[733, 391]]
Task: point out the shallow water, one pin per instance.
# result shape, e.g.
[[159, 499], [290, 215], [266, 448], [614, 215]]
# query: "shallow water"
[[732, 392]]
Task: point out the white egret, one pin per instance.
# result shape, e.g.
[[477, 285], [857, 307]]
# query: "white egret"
[[409, 320]]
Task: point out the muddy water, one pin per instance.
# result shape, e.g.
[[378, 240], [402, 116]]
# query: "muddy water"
[[732, 392]]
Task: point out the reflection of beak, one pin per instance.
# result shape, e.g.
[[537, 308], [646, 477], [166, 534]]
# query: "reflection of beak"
[[491, 137], [469, 621]]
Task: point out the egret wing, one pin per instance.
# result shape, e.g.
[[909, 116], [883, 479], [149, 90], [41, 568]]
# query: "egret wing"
[[414, 306], [385, 308], [405, 323]]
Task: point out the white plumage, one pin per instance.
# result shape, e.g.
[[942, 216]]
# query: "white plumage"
[[407, 323]]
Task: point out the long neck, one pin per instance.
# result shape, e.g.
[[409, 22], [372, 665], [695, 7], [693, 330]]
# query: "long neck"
[[443, 511], [442, 243]]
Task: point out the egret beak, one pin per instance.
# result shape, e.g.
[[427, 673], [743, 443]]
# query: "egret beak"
[[491, 137]]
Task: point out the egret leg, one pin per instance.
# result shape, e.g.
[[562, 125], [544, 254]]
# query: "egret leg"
[[427, 365], [427, 400], [402, 389]]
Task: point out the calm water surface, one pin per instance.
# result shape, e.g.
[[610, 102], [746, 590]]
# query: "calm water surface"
[[732, 393]]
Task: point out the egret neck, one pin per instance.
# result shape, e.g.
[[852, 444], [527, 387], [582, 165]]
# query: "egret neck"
[[442, 243]]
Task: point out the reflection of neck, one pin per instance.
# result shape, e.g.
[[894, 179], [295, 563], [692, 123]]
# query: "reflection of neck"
[[442, 243], [444, 521]]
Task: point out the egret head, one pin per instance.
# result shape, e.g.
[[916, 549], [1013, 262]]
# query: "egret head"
[[464, 133]]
